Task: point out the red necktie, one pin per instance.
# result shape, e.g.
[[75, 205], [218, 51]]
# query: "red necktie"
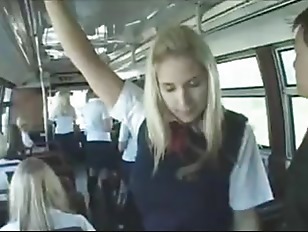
[[179, 137]]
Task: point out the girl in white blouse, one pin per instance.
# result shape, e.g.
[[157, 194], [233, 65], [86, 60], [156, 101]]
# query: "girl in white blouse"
[[184, 177], [64, 116]]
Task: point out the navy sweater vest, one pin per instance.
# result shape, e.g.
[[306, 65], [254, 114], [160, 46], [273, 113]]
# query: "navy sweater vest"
[[167, 203]]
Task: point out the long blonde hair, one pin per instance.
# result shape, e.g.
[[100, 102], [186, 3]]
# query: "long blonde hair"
[[182, 41], [34, 190], [63, 104]]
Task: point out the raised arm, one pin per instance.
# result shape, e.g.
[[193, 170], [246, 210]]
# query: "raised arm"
[[102, 79]]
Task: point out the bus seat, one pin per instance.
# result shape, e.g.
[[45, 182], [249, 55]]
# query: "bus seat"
[[271, 215], [4, 216], [73, 228]]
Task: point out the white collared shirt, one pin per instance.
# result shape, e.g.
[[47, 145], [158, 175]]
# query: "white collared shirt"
[[94, 112], [26, 140], [249, 184], [64, 123], [60, 220], [130, 152]]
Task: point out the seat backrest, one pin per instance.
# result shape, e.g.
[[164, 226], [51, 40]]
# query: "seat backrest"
[[72, 228], [271, 215], [9, 176], [3, 213]]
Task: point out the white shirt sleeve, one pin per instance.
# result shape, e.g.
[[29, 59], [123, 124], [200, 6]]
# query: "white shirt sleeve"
[[124, 133], [74, 113], [85, 224], [11, 226], [249, 184], [129, 107], [52, 116], [27, 141], [104, 111]]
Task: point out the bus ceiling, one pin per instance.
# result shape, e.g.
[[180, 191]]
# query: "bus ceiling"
[[121, 28]]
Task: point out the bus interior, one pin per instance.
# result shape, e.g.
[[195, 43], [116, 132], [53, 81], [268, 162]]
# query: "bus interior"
[[252, 41]]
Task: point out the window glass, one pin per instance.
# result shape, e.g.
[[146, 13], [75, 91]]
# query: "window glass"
[[240, 73], [255, 110], [5, 120], [78, 101], [300, 115], [7, 95], [288, 58]]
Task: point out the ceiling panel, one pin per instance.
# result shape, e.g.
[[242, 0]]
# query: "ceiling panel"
[[113, 26]]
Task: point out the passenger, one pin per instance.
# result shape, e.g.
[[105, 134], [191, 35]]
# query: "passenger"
[[24, 129], [64, 116], [8, 164], [99, 150], [38, 201], [128, 145], [198, 166], [16, 146], [296, 203]]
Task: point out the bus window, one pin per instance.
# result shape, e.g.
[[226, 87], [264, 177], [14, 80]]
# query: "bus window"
[[240, 73], [5, 120], [5, 110], [254, 108], [300, 115], [7, 95], [298, 104], [288, 58], [78, 100]]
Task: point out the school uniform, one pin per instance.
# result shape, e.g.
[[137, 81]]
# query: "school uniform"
[[65, 136], [100, 153], [130, 152], [26, 140], [99, 150], [237, 181], [61, 220]]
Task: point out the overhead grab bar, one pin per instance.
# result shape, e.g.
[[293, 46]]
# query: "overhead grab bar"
[[199, 11]]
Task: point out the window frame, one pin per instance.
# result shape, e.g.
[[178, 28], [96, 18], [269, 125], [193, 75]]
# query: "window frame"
[[288, 91], [5, 105], [281, 67]]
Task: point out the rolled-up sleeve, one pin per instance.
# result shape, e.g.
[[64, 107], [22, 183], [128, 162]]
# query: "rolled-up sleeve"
[[129, 107], [249, 184]]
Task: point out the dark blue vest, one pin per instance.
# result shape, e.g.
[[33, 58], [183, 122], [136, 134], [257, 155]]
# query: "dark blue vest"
[[167, 203]]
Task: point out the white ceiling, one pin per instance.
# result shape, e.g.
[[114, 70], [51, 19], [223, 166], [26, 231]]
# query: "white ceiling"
[[115, 14], [128, 22]]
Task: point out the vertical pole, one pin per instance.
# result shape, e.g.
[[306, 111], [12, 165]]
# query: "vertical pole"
[[199, 15], [37, 26]]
